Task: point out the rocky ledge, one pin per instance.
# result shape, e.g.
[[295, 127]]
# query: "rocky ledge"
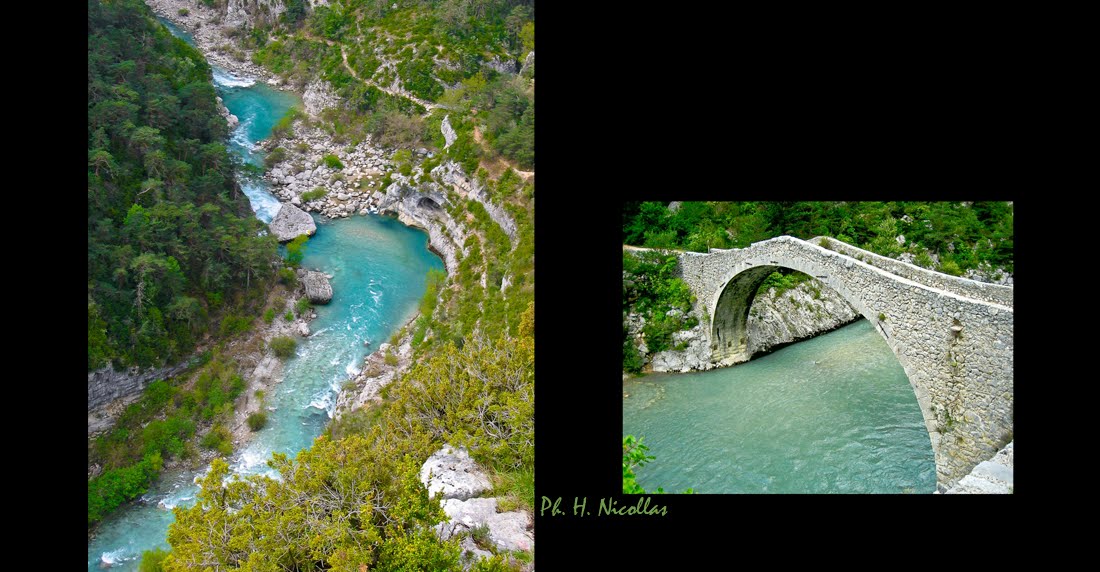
[[452, 476]]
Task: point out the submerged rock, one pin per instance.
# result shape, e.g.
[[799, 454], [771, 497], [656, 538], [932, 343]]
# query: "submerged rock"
[[291, 222]]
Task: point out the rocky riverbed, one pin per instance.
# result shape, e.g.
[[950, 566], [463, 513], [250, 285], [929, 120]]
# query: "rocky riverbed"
[[211, 29]]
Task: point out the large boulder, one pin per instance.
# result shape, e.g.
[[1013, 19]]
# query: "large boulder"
[[317, 286], [291, 222], [453, 473]]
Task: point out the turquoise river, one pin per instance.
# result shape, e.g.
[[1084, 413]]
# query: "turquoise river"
[[833, 414], [379, 270]]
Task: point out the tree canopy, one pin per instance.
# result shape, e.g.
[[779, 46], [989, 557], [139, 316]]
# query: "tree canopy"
[[171, 242]]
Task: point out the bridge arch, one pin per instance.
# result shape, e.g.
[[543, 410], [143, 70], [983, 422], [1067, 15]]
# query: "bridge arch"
[[956, 349]]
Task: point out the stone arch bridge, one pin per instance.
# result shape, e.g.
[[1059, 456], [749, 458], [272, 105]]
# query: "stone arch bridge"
[[952, 336]]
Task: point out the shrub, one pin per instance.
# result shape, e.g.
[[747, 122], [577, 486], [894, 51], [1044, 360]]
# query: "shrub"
[[294, 254], [288, 277], [182, 12], [275, 157], [391, 358], [881, 317], [153, 560], [826, 243], [232, 325], [632, 362], [269, 315], [314, 194], [283, 346], [303, 305], [950, 267], [289, 316], [218, 438], [332, 162], [257, 421]]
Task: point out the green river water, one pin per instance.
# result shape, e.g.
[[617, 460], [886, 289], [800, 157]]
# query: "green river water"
[[833, 414]]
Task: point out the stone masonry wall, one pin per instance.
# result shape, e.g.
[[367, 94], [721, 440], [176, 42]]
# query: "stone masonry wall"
[[969, 288], [956, 351]]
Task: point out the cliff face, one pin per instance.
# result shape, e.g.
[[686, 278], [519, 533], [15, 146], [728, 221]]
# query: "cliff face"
[[802, 312]]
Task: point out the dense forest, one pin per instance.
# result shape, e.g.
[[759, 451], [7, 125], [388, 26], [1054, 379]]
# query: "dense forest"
[[950, 237], [173, 251]]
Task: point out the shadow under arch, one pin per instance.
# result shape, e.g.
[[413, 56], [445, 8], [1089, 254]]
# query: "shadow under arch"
[[729, 309]]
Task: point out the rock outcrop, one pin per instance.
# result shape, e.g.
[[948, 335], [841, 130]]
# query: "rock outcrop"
[[504, 66], [451, 473], [291, 222], [319, 96], [317, 286], [254, 13], [449, 134], [107, 386], [507, 530], [528, 63]]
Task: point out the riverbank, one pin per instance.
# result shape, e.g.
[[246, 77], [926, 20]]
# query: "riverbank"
[[205, 26]]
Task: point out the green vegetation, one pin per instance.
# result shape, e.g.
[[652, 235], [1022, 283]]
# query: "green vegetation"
[[313, 195], [283, 346], [269, 315], [294, 250], [653, 289], [442, 51], [159, 426], [962, 236], [479, 396], [302, 306], [257, 421], [172, 245], [153, 560], [332, 162], [218, 439], [116, 486], [275, 157], [782, 280], [515, 490], [288, 277]]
